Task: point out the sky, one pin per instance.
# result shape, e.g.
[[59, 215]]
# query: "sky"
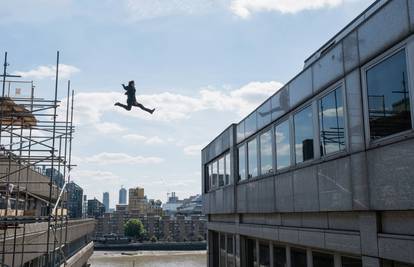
[[203, 64]]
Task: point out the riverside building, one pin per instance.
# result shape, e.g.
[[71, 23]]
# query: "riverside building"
[[321, 174]]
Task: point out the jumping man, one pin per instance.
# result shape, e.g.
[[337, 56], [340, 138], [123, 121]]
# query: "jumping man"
[[131, 100]]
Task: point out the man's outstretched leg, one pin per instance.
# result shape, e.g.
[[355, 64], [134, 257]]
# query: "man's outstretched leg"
[[144, 108], [127, 107]]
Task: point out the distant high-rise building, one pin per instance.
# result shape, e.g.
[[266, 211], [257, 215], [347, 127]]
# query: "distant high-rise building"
[[122, 196], [105, 201], [137, 201], [75, 193], [85, 206], [95, 208]]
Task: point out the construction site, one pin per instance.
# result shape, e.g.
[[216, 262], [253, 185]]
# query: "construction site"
[[36, 138]]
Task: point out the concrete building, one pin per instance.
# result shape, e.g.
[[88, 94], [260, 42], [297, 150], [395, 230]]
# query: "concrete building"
[[122, 196], [75, 194], [105, 200], [321, 174]]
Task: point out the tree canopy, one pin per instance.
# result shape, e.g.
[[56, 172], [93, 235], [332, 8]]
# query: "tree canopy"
[[135, 229]]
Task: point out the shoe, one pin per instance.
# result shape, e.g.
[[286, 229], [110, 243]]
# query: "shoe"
[[152, 110], [117, 104]]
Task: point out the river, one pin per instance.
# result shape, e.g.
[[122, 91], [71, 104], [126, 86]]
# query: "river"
[[149, 259]]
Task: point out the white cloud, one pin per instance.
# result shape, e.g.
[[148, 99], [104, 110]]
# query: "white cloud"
[[154, 140], [193, 150], [244, 8], [94, 175], [107, 158], [109, 128], [44, 72]]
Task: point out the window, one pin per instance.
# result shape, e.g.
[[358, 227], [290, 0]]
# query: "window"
[[279, 256], [242, 162], [388, 97], [331, 122], [221, 171], [322, 259], [215, 174], [303, 135], [266, 154], [282, 133], [227, 169], [264, 255], [388, 263], [222, 250], [207, 178], [251, 258], [351, 262], [298, 257], [230, 251], [252, 158]]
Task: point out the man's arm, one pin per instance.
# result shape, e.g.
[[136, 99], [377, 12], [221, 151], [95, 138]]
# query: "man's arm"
[[125, 87]]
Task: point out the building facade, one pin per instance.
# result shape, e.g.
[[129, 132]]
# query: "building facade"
[[96, 208], [321, 173], [105, 200], [138, 203], [75, 194], [122, 196]]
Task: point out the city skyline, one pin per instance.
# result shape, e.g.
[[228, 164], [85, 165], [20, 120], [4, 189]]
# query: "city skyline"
[[179, 67]]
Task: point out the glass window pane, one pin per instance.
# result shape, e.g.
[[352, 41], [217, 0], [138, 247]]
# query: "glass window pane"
[[304, 135], [250, 124], [252, 158], [227, 170], [230, 251], [266, 153], [388, 98], [221, 171], [264, 255], [264, 114], [240, 132], [251, 258], [282, 145], [298, 257], [207, 178], [351, 262], [215, 174], [222, 250], [242, 162], [280, 103], [279, 256], [331, 122], [322, 259]]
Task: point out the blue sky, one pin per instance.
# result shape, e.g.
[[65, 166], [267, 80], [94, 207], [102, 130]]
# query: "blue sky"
[[202, 63]]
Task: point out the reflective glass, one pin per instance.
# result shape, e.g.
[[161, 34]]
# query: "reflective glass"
[[331, 122], [266, 154], [221, 171], [264, 255], [227, 170], [250, 126], [303, 135], [210, 170], [252, 158], [215, 174], [264, 114], [280, 103], [222, 250], [240, 132], [351, 262], [251, 258], [322, 259], [279, 256], [230, 251], [388, 97], [242, 162], [207, 178], [298, 258], [282, 133]]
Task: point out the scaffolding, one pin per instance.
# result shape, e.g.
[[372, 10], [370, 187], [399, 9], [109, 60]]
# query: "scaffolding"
[[35, 165]]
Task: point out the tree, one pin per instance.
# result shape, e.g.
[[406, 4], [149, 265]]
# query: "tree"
[[135, 229]]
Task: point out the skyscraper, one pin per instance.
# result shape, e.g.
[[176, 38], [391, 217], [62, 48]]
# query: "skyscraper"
[[122, 195], [105, 200], [75, 193]]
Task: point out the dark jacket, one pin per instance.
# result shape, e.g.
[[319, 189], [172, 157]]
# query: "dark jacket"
[[130, 92]]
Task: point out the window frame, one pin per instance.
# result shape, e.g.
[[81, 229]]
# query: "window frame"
[[408, 46], [255, 137], [289, 121], [270, 129], [245, 162], [339, 84], [312, 104]]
